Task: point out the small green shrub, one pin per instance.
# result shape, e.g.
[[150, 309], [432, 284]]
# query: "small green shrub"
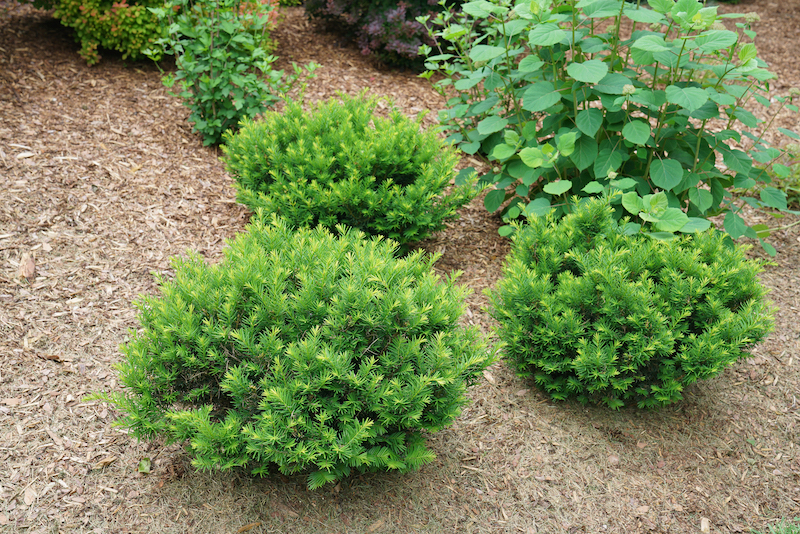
[[593, 313], [302, 350], [341, 164], [127, 28], [223, 67], [564, 103]]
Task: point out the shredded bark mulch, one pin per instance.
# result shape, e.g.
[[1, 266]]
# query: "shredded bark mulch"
[[103, 181]]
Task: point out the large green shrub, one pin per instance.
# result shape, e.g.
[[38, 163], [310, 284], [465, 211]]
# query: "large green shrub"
[[563, 102], [129, 28], [342, 164], [593, 313], [302, 350]]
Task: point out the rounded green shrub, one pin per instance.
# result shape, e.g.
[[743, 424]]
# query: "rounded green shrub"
[[609, 318], [301, 350], [129, 28], [341, 164]]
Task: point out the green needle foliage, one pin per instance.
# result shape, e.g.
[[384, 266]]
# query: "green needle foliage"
[[784, 527], [341, 164], [302, 350], [609, 318]]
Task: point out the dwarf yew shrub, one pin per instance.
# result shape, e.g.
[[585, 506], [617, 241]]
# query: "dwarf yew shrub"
[[593, 313], [310, 352], [342, 164]]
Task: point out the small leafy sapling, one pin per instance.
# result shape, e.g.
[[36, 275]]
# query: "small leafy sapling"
[[224, 72]]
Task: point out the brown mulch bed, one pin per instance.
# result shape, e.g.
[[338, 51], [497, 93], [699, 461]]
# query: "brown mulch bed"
[[103, 181]]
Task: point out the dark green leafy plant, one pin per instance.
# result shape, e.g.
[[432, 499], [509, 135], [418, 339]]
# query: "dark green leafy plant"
[[313, 353], [223, 67], [786, 175], [342, 164], [563, 103], [604, 317], [128, 28]]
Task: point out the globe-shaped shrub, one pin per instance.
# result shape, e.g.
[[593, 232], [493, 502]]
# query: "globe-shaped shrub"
[[302, 350], [592, 313], [341, 164]]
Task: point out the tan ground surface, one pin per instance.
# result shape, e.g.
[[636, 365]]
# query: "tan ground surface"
[[102, 181]]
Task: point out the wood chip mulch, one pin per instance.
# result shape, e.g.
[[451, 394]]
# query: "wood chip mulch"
[[103, 181]]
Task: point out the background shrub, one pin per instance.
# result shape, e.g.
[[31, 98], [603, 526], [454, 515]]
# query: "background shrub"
[[562, 102], [129, 28], [341, 164], [592, 313], [223, 63], [302, 350], [385, 28], [786, 175]]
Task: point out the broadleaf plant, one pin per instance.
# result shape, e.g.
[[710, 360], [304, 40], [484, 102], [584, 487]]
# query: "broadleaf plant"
[[554, 91], [222, 53]]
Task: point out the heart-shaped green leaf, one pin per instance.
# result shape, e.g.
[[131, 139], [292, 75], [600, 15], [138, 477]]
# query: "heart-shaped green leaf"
[[591, 71], [558, 187], [623, 184], [566, 143], [650, 43], [774, 198], [641, 14], [593, 188], [636, 131], [530, 64], [585, 152], [712, 40], [701, 198], [689, 98], [492, 124], [661, 6], [734, 225], [612, 83], [546, 34], [540, 96], [502, 151], [589, 121], [695, 224], [632, 202], [666, 173], [607, 160], [532, 157], [671, 220], [539, 207], [485, 52], [494, 199]]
